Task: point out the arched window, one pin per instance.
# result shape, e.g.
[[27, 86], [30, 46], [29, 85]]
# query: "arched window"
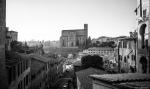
[[142, 33]]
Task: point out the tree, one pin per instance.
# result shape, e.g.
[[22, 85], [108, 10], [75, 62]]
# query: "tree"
[[92, 61], [88, 42], [16, 46]]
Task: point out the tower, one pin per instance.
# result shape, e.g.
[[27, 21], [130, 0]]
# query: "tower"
[[86, 33], [86, 29], [2, 13], [3, 75]]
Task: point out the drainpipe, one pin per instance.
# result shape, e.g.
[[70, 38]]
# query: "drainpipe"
[[119, 69], [135, 54]]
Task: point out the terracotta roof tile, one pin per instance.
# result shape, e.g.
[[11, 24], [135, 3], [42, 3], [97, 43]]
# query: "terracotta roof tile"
[[145, 84], [40, 58], [84, 79], [122, 77]]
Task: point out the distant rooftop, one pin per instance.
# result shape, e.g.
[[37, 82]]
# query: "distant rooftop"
[[77, 63], [73, 30], [128, 38], [100, 48]]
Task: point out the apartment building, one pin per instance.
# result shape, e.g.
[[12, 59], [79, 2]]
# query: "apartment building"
[[18, 70], [102, 51], [127, 54], [39, 71]]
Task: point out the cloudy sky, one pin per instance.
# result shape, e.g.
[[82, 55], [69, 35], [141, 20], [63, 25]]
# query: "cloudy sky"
[[44, 19]]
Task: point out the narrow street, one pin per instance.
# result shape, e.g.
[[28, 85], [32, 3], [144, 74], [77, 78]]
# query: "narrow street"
[[66, 82]]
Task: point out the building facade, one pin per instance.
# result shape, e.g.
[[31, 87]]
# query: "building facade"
[[39, 72], [143, 29], [10, 36], [3, 13], [18, 70], [127, 54], [99, 51], [3, 76], [83, 80], [74, 38]]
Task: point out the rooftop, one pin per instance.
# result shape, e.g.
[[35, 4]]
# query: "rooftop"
[[46, 59], [36, 66], [126, 77], [77, 63], [39, 57], [13, 31], [131, 85], [85, 81], [128, 38], [12, 58]]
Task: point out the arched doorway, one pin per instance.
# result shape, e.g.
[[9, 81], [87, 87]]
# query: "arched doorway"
[[143, 62]]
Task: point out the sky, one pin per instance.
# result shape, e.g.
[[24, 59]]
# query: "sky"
[[45, 19]]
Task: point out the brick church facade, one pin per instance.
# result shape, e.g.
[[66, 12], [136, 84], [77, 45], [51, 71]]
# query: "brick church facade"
[[74, 38]]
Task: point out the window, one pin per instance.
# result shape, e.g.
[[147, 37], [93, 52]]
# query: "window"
[[26, 64], [18, 69], [125, 59], [146, 43], [26, 80], [33, 77], [10, 75], [128, 56], [144, 13], [120, 57], [120, 44], [142, 34], [24, 84], [21, 67], [14, 72], [130, 45], [124, 44], [19, 86]]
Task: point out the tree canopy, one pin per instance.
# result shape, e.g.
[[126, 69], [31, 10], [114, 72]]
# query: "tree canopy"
[[18, 47], [92, 61]]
